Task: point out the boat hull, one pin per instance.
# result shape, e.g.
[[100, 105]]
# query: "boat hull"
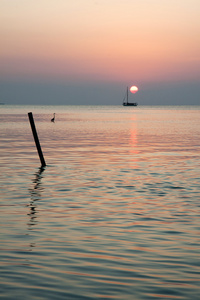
[[130, 104]]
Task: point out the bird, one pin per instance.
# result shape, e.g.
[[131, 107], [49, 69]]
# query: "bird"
[[53, 119]]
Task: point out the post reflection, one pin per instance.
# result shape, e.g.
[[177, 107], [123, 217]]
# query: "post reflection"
[[35, 194]]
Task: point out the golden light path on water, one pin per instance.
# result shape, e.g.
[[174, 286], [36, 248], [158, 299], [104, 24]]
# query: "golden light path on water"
[[114, 215]]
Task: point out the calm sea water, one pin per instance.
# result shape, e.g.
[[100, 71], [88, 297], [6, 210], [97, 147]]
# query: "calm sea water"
[[116, 212]]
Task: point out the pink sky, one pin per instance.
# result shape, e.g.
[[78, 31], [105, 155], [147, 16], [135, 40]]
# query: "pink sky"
[[101, 40]]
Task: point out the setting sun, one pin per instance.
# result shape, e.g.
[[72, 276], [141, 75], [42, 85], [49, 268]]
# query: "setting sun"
[[133, 89]]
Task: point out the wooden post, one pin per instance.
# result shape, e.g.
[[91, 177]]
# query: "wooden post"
[[37, 143]]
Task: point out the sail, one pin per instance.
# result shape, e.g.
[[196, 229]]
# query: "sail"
[[125, 100]]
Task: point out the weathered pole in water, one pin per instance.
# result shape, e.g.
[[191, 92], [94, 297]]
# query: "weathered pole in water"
[[37, 143]]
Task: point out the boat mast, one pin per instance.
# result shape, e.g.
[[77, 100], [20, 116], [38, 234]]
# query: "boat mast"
[[127, 94]]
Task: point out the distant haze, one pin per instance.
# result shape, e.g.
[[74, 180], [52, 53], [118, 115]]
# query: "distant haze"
[[87, 52], [55, 93]]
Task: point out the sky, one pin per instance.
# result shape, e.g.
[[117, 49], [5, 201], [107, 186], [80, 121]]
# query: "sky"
[[88, 51]]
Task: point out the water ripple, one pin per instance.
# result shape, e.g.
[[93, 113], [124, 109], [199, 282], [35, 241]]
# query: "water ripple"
[[114, 215]]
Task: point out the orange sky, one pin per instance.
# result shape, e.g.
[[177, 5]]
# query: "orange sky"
[[102, 40]]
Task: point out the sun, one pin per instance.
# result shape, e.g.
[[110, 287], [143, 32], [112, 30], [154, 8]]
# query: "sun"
[[133, 89]]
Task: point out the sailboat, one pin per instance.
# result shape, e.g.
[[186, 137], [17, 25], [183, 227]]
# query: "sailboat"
[[125, 100]]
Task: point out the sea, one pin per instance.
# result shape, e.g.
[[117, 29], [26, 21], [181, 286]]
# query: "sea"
[[115, 214]]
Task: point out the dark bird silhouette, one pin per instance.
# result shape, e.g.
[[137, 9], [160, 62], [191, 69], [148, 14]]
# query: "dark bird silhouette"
[[53, 119]]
